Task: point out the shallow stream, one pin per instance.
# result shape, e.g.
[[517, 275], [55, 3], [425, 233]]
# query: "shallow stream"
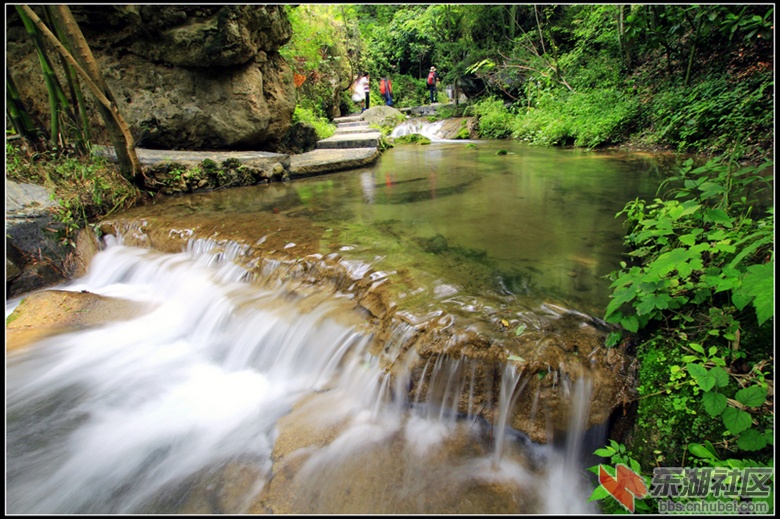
[[249, 384]]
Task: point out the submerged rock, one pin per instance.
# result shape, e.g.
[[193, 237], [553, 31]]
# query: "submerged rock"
[[50, 312]]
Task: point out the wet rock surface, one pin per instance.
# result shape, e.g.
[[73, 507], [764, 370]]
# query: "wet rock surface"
[[385, 474], [50, 312], [34, 256]]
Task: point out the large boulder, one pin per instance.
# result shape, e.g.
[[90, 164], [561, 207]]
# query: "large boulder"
[[383, 116], [185, 77]]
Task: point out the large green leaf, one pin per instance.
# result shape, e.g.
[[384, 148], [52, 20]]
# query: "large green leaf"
[[653, 301], [736, 420], [702, 376], [700, 451], [721, 376], [758, 286], [753, 396], [751, 440], [714, 402], [669, 261]]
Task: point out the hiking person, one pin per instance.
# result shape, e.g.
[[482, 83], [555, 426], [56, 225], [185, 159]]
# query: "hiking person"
[[365, 82], [386, 90], [433, 80], [358, 95]]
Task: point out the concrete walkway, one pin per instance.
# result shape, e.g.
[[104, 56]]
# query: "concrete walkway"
[[354, 145]]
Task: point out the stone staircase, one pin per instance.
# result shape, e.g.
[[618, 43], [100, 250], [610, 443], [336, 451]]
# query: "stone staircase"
[[351, 132], [354, 145]]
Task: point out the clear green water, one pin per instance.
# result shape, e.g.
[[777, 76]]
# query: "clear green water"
[[534, 225]]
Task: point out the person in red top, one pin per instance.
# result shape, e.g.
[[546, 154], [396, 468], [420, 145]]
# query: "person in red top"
[[433, 80], [386, 89]]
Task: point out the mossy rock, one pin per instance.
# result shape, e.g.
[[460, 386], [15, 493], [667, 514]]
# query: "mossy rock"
[[383, 117], [412, 138]]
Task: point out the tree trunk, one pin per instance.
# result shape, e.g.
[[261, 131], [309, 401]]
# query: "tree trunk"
[[625, 45], [123, 141], [512, 21]]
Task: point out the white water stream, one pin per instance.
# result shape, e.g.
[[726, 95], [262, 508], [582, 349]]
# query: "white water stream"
[[153, 414], [424, 128]]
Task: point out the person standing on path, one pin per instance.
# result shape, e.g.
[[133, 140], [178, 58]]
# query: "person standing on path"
[[433, 80], [365, 84], [358, 96], [386, 89]]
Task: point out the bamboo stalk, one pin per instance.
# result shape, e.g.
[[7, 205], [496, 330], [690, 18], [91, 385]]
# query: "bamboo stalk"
[[130, 165]]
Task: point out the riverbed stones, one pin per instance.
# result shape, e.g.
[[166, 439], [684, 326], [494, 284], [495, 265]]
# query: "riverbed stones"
[[317, 470]]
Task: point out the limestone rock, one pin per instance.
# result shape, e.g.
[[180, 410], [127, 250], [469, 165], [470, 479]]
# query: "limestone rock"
[[184, 77]]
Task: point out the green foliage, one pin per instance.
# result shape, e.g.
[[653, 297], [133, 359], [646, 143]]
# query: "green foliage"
[[712, 112], [85, 188], [412, 138], [319, 56], [405, 45], [701, 293], [751, 25], [691, 77], [586, 118], [409, 91], [695, 251], [719, 399], [323, 127], [494, 120]]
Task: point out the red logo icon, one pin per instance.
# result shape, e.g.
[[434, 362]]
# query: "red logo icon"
[[625, 487]]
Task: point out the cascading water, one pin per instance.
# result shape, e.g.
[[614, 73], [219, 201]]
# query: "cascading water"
[[424, 128], [231, 395]]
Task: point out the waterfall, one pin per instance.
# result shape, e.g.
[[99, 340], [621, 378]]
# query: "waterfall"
[[188, 407], [424, 128]]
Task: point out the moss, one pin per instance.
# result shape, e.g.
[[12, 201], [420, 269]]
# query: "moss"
[[669, 414], [413, 138]]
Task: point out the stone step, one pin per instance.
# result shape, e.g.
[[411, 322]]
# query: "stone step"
[[354, 129], [320, 161], [352, 124], [349, 119], [350, 140]]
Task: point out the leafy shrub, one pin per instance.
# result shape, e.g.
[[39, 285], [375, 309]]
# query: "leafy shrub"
[[542, 128], [323, 127], [701, 293], [408, 91], [494, 120], [710, 114], [589, 118], [601, 116]]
